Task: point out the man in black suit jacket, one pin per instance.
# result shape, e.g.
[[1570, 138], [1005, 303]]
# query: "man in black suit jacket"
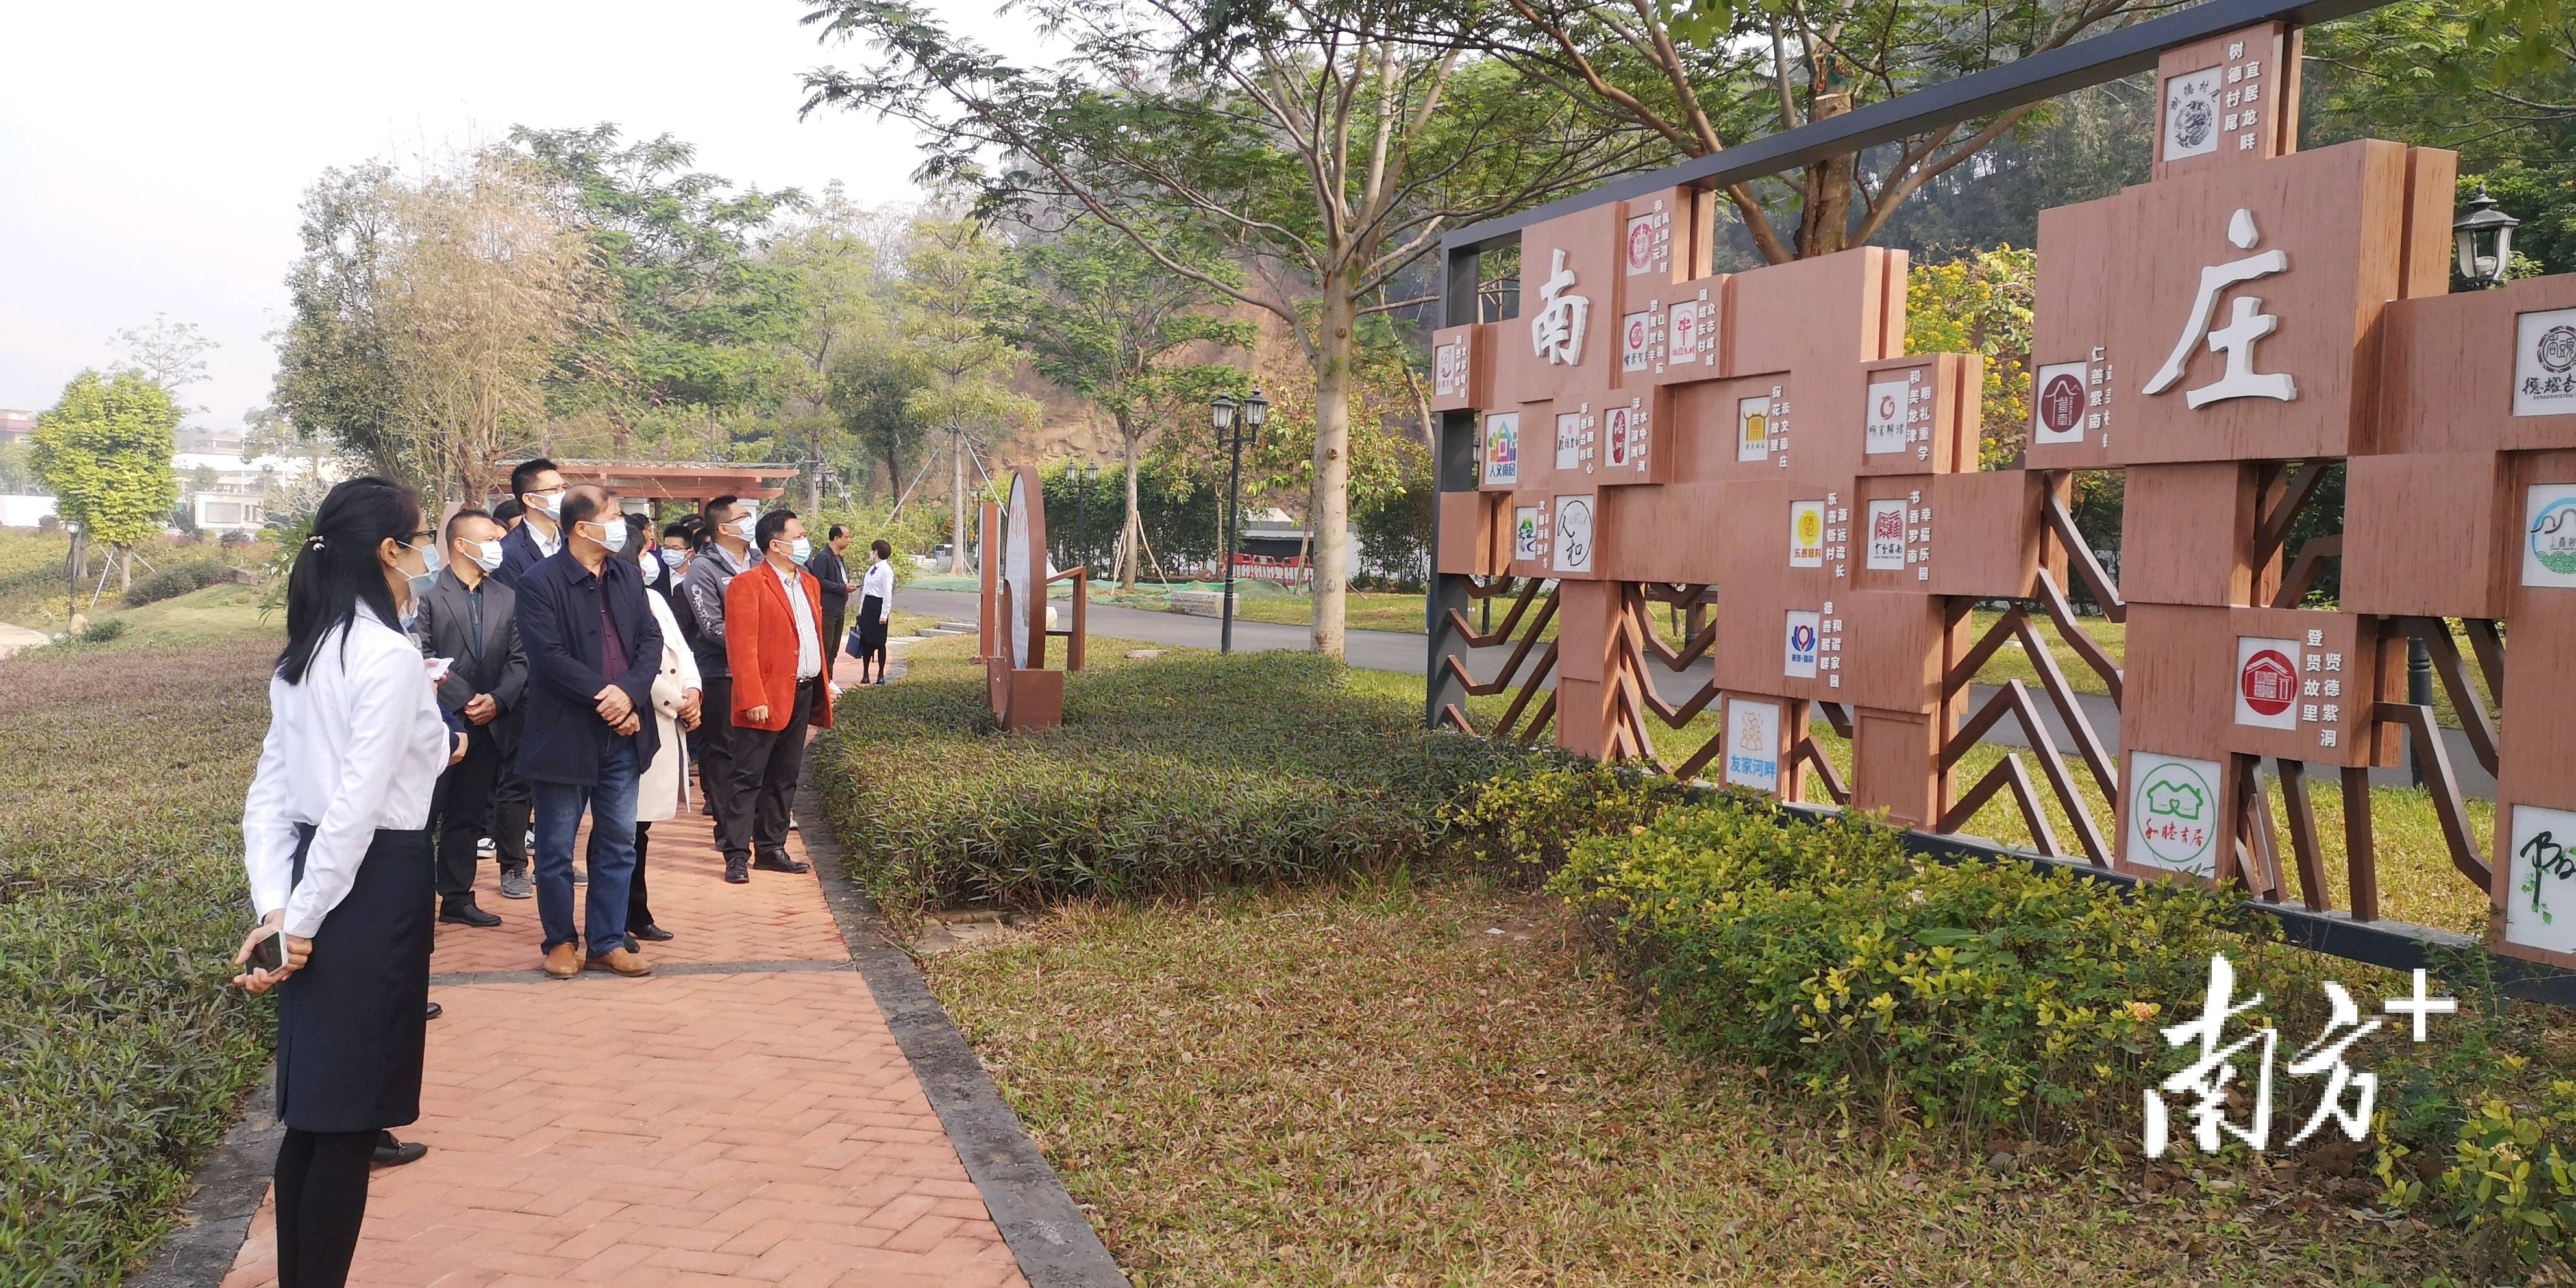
[[593, 653], [471, 619], [828, 569]]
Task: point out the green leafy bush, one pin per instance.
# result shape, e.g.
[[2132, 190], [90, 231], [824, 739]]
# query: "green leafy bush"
[[1526, 817], [102, 630], [120, 906], [175, 580], [1181, 773], [1970, 996]]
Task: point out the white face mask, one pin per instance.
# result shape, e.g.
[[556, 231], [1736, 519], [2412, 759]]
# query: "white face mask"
[[801, 550], [549, 504], [487, 554], [612, 534], [652, 565], [742, 527]]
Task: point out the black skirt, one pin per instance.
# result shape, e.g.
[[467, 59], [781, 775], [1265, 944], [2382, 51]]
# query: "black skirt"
[[351, 1024], [872, 627]]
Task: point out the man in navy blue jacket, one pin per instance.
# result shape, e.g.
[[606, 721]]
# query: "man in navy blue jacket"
[[539, 486], [593, 652]]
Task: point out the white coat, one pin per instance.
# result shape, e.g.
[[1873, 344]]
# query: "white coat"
[[663, 792]]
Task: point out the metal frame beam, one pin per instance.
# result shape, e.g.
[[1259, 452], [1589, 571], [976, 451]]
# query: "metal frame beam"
[[2073, 66]]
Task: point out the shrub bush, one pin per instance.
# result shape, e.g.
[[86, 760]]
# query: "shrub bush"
[[176, 580], [1971, 996], [102, 630], [1180, 773], [1525, 819], [120, 906]]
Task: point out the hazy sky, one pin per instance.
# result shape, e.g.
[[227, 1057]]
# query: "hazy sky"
[[152, 153]]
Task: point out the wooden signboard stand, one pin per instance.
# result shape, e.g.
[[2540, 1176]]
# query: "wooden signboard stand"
[[1757, 455], [1012, 626]]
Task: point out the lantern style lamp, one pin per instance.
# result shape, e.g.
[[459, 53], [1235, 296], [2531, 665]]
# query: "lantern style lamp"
[[2484, 236]]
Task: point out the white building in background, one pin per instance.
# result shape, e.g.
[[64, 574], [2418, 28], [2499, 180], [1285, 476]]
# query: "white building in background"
[[227, 492]]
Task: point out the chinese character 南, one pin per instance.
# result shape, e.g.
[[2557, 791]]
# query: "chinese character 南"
[[2245, 325], [1556, 330], [2207, 1077]]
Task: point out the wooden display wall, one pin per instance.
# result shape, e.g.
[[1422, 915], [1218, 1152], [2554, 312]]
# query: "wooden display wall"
[[1758, 451]]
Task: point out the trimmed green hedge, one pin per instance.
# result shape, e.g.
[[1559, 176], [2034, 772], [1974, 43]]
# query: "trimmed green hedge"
[[1182, 773], [121, 902], [174, 580]]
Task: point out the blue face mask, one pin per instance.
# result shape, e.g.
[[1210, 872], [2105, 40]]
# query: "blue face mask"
[[801, 550], [427, 577]]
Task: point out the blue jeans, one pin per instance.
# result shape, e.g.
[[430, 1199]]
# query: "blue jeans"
[[611, 856]]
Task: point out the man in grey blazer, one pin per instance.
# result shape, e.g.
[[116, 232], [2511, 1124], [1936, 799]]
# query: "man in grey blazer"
[[470, 618]]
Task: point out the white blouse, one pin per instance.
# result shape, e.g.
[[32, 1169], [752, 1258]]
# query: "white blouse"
[[880, 583], [357, 746]]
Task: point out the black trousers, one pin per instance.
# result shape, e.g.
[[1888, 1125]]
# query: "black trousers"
[[321, 1203], [512, 805], [458, 809], [832, 635], [638, 912], [752, 820], [711, 743]]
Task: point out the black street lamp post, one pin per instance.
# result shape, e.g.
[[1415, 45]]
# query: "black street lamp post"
[[1236, 426]]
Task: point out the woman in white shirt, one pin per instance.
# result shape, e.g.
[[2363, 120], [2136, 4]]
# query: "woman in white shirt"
[[663, 789], [876, 604], [334, 843]]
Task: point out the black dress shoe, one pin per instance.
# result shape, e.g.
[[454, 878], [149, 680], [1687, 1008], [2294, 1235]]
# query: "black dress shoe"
[[466, 914], [395, 1153], [435, 1010], [648, 931], [737, 870], [780, 863]]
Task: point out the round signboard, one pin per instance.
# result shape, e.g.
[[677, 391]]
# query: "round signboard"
[[2553, 537], [2558, 349], [1024, 563], [2269, 682], [2061, 404], [2174, 804], [1641, 245], [1811, 527]]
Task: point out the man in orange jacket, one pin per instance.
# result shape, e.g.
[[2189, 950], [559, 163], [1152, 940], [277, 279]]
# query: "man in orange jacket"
[[774, 645]]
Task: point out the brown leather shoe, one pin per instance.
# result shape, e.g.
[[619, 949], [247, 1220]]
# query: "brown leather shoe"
[[563, 961], [625, 961]]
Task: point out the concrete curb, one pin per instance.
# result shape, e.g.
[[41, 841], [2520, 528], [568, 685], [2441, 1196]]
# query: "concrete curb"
[[1045, 1229], [228, 1190]]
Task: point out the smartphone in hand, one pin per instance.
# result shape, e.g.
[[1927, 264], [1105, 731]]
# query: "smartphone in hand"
[[268, 952]]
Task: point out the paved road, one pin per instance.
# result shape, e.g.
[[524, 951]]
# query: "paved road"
[[1408, 653]]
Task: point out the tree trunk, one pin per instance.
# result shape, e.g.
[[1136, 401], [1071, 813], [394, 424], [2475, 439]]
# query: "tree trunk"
[[814, 480], [1132, 530], [125, 568], [957, 507], [1331, 518]]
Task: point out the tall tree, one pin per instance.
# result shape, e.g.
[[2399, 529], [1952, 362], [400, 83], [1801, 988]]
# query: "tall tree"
[[702, 318], [841, 297], [103, 450], [2459, 74], [1304, 137], [1703, 75], [334, 378], [952, 264], [873, 382], [1101, 320], [169, 354], [430, 316]]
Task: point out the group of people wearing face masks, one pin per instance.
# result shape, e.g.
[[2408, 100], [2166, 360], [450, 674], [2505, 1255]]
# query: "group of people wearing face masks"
[[429, 667]]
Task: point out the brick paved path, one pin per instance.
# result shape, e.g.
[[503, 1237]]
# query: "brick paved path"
[[699, 1127]]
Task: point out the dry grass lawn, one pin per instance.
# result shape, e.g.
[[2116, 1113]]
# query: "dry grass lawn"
[[1402, 1085]]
